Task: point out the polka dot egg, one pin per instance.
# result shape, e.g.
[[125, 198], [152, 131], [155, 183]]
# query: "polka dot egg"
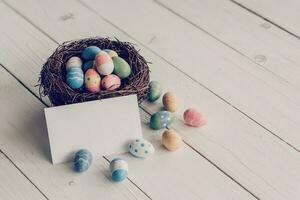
[[141, 148]]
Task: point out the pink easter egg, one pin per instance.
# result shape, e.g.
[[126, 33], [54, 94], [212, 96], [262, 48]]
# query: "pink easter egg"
[[92, 81], [111, 82], [104, 63], [193, 118]]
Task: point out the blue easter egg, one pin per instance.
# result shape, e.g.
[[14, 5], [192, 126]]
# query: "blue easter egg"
[[90, 52], [82, 160], [161, 119], [75, 78], [118, 169], [88, 65]]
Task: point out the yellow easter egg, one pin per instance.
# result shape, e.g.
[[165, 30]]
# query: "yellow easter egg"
[[171, 140], [170, 101]]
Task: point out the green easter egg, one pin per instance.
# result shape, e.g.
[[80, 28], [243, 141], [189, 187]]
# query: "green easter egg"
[[161, 119], [155, 91], [122, 68]]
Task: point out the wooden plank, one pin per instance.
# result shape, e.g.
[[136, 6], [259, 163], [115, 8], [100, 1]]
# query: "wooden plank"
[[30, 151], [284, 14], [14, 185], [238, 146], [267, 99]]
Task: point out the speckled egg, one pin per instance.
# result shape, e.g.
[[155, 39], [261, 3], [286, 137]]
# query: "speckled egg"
[[161, 119], [118, 169], [74, 78], [171, 140], [82, 160], [155, 91], [193, 118], [92, 81], [73, 62], [90, 52], [111, 82], [104, 63], [122, 68], [88, 65], [170, 101], [141, 148], [111, 53]]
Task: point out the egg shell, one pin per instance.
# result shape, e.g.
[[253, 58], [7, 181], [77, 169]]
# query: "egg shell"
[[74, 78], [88, 65], [141, 148], [122, 68], [161, 119], [82, 160], [73, 62], [111, 53], [170, 101], [155, 91], [90, 52], [118, 169], [171, 140], [104, 63], [111, 82], [92, 81], [193, 118]]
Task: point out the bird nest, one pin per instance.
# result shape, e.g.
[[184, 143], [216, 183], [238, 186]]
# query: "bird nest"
[[52, 78]]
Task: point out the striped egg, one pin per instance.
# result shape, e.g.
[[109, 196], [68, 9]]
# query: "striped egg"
[[74, 78], [161, 119], [92, 81], [73, 62], [118, 169], [82, 160], [111, 53], [90, 52], [170, 101], [104, 63], [88, 65], [111, 82], [141, 148]]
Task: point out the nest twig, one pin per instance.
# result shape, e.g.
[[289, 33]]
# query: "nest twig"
[[52, 77]]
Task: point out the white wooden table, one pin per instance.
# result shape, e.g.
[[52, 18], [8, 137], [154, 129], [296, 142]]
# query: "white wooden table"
[[236, 61]]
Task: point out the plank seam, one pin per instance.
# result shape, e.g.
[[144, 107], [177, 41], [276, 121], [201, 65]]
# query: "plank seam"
[[264, 18], [23, 174]]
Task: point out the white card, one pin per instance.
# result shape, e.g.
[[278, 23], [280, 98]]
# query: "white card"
[[103, 127]]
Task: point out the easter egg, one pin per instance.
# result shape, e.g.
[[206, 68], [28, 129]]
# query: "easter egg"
[[88, 65], [111, 53], [141, 148], [171, 140], [74, 78], [73, 62], [122, 68], [104, 63], [160, 119], [92, 81], [118, 169], [82, 160], [90, 52], [170, 101], [193, 118], [111, 82], [155, 91]]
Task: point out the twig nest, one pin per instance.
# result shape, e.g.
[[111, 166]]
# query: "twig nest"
[[82, 160], [161, 119], [155, 91], [193, 118], [118, 169], [171, 140], [170, 101]]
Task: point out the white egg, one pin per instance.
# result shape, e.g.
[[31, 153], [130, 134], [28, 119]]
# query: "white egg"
[[141, 148]]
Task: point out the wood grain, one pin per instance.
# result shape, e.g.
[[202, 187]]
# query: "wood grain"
[[236, 145]]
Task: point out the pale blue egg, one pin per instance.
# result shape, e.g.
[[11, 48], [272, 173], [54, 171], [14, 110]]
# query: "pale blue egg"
[[75, 78], [90, 52], [118, 169], [82, 160]]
